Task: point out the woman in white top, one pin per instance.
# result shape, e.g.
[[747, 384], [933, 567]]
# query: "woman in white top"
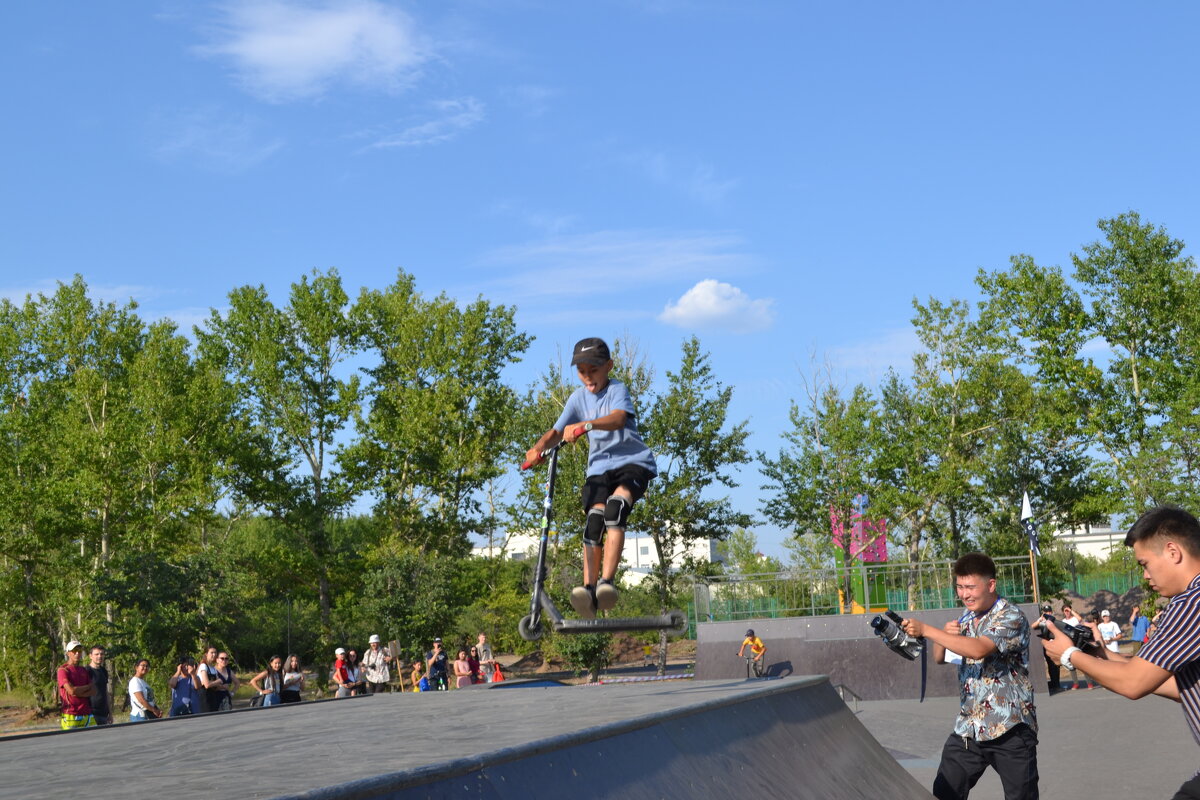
[[206, 672], [141, 696], [293, 680], [358, 684]]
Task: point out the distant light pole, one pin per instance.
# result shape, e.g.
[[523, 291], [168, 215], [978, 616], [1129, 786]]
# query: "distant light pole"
[[1074, 577]]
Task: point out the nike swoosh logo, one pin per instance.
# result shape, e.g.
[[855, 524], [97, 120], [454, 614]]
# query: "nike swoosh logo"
[[593, 347]]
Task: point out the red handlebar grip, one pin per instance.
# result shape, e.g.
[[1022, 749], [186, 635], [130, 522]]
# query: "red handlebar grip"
[[528, 464], [580, 431]]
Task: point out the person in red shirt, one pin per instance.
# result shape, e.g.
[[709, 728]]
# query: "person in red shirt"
[[341, 675], [75, 690]]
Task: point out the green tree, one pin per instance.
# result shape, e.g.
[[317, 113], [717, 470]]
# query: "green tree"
[[287, 364], [111, 431], [742, 557], [441, 421], [827, 462], [696, 449], [1115, 347], [586, 652]]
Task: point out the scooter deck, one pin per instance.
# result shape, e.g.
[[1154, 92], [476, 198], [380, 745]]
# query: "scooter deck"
[[609, 624], [675, 623]]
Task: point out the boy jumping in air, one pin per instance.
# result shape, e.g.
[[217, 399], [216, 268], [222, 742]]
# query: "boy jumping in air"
[[619, 468]]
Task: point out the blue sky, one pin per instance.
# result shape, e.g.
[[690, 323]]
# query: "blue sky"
[[779, 178]]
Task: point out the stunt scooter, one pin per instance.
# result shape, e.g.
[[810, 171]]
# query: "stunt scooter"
[[531, 628]]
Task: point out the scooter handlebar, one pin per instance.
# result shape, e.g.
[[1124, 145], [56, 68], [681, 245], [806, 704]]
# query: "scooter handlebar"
[[579, 431]]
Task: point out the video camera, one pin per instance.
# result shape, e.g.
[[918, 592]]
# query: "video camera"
[[887, 627], [1080, 637]]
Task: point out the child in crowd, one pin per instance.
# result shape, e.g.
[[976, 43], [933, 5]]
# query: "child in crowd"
[[620, 466]]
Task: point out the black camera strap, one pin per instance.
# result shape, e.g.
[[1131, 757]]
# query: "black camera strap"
[[924, 668]]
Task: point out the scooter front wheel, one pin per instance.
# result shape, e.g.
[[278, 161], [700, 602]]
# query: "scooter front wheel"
[[530, 630]]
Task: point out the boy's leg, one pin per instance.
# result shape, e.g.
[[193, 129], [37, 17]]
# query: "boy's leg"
[[593, 546], [616, 513], [583, 598]]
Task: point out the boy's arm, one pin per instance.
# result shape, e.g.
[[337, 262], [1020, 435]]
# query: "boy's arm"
[[534, 454], [612, 421]]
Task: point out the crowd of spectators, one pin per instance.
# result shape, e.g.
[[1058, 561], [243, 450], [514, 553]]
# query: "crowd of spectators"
[[211, 684]]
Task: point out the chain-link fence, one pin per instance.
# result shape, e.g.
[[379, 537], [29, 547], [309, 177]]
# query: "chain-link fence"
[[859, 589]]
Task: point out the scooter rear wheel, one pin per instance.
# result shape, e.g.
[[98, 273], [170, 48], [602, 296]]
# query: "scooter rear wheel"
[[530, 631]]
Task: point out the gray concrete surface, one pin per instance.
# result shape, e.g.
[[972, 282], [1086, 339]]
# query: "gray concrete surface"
[[673, 739], [1092, 744], [669, 739]]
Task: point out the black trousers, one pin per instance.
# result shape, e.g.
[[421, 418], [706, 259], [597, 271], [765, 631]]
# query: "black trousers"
[[1013, 756], [1189, 791], [1054, 673]]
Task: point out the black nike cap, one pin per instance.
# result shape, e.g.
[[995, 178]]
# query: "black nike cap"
[[590, 351]]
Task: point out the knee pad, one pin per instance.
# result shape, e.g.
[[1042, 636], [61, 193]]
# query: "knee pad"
[[616, 512], [593, 532]]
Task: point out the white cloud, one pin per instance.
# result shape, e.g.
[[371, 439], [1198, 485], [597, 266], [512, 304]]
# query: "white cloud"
[[213, 139], [545, 222], [699, 181], [716, 305], [609, 263], [450, 118], [530, 99], [288, 49], [870, 359]]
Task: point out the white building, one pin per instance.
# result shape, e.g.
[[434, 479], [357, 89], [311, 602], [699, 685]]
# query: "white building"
[[1097, 542], [639, 556]]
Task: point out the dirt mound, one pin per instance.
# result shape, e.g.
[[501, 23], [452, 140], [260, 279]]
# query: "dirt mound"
[[1119, 606], [535, 662], [626, 649]]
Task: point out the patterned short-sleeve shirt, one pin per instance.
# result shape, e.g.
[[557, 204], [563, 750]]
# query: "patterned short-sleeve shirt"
[[995, 692]]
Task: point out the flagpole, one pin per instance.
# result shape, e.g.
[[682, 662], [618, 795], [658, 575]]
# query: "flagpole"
[[1031, 532], [1033, 566]]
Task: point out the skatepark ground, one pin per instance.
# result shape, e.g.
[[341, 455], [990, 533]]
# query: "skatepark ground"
[[791, 737], [1092, 744]]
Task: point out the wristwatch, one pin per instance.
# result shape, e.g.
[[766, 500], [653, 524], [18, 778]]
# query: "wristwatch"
[[1065, 659], [587, 426]]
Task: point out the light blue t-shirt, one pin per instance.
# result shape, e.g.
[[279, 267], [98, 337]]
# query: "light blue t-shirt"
[[608, 449], [1141, 626]]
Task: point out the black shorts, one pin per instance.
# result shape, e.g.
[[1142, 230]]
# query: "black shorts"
[[598, 488]]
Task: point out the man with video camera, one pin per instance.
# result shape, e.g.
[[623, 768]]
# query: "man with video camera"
[[996, 725], [1166, 543]]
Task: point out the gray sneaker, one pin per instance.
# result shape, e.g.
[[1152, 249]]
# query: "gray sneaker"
[[606, 595], [583, 600]]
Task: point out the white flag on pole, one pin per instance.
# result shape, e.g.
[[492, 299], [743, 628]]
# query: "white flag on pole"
[[1027, 524]]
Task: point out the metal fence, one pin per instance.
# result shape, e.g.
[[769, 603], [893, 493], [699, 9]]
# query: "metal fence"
[[858, 589], [1115, 582]]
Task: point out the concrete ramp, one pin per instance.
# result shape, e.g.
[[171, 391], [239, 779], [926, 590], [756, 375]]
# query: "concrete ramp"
[[791, 738]]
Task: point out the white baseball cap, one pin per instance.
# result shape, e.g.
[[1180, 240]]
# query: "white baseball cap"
[[73, 645], [374, 639], [1105, 613], [341, 651]]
